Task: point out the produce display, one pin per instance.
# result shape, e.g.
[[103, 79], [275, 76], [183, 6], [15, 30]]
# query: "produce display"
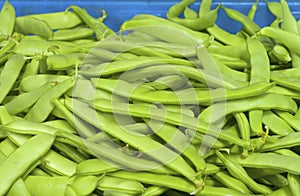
[[166, 106]]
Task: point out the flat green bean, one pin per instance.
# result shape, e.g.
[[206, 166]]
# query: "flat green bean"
[[21, 162], [10, 73]]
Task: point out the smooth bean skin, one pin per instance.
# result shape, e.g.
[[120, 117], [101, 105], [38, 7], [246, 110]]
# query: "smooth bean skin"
[[268, 160], [25, 100], [10, 73], [118, 184], [7, 17], [169, 181], [171, 117], [59, 20], [186, 96], [287, 141], [177, 162], [72, 34], [94, 167], [35, 114], [263, 102], [152, 26], [19, 188], [62, 62], [27, 25], [294, 183], [231, 182], [199, 23], [276, 124], [236, 170], [26, 84], [155, 190], [21, 163], [290, 40]]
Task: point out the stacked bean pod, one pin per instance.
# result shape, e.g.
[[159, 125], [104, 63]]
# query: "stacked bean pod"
[[173, 106]]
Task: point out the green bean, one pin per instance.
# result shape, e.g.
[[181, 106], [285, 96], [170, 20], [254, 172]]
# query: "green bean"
[[174, 138], [244, 128], [26, 100], [286, 152], [58, 164], [60, 125], [289, 119], [262, 102], [118, 184], [20, 162], [27, 25], [189, 13], [177, 163], [237, 171], [276, 124], [252, 11], [276, 180], [101, 30], [283, 78], [204, 7], [231, 182], [225, 37], [167, 31], [286, 141], [268, 160], [280, 54], [59, 20], [231, 76], [68, 151], [72, 34], [294, 183], [32, 68], [290, 40], [43, 185], [10, 73], [82, 129], [219, 191], [31, 47], [204, 21], [85, 185], [256, 173], [250, 26], [35, 114], [12, 43], [95, 167], [173, 82], [285, 191], [187, 96], [275, 8], [19, 188], [7, 17], [64, 61], [289, 24], [169, 181], [27, 85], [7, 147], [171, 117]]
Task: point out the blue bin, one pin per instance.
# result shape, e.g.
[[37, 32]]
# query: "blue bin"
[[120, 10]]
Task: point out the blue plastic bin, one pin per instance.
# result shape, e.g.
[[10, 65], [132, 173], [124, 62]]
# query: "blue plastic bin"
[[121, 10]]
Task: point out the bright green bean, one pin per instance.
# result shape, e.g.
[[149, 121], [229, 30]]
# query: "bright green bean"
[[21, 162]]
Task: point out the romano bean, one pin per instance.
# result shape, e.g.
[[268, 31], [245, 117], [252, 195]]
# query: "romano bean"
[[10, 73], [27, 25], [7, 17], [21, 163]]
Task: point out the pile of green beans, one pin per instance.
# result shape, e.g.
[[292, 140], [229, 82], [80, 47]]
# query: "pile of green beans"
[[167, 106]]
